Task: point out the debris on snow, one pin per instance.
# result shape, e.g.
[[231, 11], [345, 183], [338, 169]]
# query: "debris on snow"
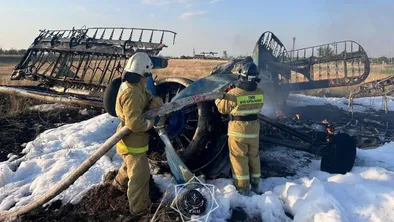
[[364, 194], [359, 104]]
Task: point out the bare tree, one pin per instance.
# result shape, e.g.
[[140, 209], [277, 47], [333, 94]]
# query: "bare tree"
[[325, 51]]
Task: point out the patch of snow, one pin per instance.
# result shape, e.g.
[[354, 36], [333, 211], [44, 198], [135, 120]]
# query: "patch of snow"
[[359, 104], [12, 157], [48, 107], [365, 194], [267, 205], [84, 112], [382, 157]]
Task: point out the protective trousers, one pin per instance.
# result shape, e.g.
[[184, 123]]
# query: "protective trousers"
[[245, 162], [135, 173]]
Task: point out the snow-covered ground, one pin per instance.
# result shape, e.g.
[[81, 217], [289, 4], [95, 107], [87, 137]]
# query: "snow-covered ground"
[[359, 104], [364, 194], [48, 107]]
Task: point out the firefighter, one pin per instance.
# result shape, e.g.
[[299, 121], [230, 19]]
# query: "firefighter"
[[243, 103], [132, 101]]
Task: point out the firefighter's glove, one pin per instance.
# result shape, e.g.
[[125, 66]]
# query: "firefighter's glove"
[[155, 102]]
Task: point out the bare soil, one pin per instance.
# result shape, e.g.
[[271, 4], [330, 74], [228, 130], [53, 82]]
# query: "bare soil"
[[102, 203]]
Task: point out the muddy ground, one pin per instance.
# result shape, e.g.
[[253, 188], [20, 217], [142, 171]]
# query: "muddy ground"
[[104, 203]]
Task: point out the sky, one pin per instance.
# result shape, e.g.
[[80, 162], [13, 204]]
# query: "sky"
[[211, 25]]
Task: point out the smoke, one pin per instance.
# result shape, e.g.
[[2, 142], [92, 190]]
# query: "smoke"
[[272, 98], [269, 110]]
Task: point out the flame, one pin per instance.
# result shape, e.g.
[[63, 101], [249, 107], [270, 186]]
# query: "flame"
[[325, 121], [330, 131], [298, 116]]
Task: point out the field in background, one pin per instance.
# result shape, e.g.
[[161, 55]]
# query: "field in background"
[[198, 68], [188, 68], [377, 72], [7, 64]]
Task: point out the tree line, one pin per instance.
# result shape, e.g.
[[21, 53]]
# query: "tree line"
[[328, 51], [12, 51], [322, 51]]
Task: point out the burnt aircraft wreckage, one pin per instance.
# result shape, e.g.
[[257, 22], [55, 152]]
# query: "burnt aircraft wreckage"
[[80, 66], [76, 66]]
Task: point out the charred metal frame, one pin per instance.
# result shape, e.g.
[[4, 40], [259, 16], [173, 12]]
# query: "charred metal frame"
[[378, 86], [281, 66], [84, 61], [88, 58]]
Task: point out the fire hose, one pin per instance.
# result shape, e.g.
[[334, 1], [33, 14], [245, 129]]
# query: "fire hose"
[[105, 147]]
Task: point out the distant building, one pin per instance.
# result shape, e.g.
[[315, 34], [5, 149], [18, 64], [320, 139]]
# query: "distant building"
[[225, 56], [199, 56]]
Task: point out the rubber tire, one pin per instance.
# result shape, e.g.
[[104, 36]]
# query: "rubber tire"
[[110, 94], [220, 167], [199, 139], [340, 155]]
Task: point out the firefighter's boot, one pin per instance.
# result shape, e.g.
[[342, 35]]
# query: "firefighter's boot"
[[257, 189]]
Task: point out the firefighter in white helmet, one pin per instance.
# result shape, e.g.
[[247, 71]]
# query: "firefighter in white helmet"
[[243, 103], [132, 101]]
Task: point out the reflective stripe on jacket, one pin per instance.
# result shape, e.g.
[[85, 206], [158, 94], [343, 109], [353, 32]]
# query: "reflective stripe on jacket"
[[131, 149], [132, 101], [239, 102]]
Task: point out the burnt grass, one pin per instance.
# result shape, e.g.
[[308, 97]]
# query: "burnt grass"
[[20, 125]]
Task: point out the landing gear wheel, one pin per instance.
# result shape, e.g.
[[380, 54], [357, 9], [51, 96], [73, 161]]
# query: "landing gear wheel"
[[340, 154], [187, 128]]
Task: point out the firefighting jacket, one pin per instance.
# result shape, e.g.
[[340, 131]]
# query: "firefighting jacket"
[[131, 103], [239, 102]]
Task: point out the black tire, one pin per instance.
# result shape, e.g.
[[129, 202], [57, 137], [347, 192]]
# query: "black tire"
[[110, 93], [218, 160], [189, 141], [340, 154]]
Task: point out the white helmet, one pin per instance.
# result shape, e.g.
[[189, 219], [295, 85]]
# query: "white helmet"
[[139, 63]]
